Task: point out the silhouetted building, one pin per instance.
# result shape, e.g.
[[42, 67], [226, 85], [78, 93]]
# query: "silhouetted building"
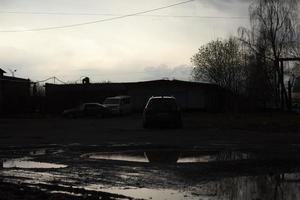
[[2, 72], [14, 94], [86, 80], [190, 95], [60, 97]]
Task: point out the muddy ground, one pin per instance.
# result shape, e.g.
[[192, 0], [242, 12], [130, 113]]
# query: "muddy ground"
[[199, 129], [253, 156]]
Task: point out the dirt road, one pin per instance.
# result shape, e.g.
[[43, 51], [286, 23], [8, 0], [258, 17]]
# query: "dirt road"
[[212, 157], [199, 129]]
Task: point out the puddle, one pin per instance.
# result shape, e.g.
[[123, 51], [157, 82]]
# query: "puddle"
[[215, 181], [166, 156], [147, 193], [284, 186], [26, 163], [64, 192], [200, 159], [129, 156]]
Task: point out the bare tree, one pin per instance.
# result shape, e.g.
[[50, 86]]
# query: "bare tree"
[[273, 28], [274, 22]]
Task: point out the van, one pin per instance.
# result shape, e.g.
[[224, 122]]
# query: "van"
[[118, 105]]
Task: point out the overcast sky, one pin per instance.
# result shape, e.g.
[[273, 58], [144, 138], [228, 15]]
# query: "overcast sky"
[[130, 49]]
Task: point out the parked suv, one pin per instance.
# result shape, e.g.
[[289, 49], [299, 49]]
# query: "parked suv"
[[162, 111]]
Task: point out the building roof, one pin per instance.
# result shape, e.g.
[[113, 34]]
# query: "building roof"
[[157, 83], [142, 84]]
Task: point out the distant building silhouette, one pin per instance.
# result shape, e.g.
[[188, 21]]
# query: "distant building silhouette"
[[190, 95], [86, 80], [2, 72], [14, 94]]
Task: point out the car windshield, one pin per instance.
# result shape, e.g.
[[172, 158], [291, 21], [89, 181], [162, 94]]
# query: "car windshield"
[[111, 101], [162, 104]]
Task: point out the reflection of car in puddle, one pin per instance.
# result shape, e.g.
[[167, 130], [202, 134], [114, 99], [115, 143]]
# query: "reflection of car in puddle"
[[184, 156], [164, 156]]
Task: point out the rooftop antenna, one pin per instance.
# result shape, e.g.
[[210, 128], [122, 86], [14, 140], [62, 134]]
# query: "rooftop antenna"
[[12, 72]]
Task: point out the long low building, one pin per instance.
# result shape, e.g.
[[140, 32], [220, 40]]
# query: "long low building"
[[190, 95]]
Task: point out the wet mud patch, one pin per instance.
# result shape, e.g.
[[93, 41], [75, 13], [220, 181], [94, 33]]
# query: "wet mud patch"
[[148, 171]]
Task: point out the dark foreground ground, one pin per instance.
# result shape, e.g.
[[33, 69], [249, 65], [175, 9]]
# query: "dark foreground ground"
[[241, 156], [199, 129]]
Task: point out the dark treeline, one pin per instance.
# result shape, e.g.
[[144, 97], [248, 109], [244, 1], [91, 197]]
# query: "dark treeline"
[[249, 64]]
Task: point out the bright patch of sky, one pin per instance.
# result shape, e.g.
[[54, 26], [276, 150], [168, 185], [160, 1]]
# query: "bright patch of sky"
[[131, 49]]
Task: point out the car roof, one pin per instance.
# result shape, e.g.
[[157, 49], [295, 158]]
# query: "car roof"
[[118, 97], [162, 97]]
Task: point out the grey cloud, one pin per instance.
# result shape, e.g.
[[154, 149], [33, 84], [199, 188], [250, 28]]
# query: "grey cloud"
[[227, 5]]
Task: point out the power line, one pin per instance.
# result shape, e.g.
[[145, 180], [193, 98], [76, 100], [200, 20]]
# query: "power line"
[[97, 21], [45, 80], [59, 80], [54, 78], [110, 14]]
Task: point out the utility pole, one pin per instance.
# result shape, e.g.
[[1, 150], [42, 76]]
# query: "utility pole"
[[285, 96], [12, 72]]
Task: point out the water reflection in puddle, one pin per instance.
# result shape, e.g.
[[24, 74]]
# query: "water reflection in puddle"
[[64, 192], [180, 182], [275, 187], [146, 193], [168, 156], [279, 187], [118, 156], [26, 163]]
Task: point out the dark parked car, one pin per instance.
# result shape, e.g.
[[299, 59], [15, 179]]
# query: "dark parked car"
[[87, 110], [162, 111]]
